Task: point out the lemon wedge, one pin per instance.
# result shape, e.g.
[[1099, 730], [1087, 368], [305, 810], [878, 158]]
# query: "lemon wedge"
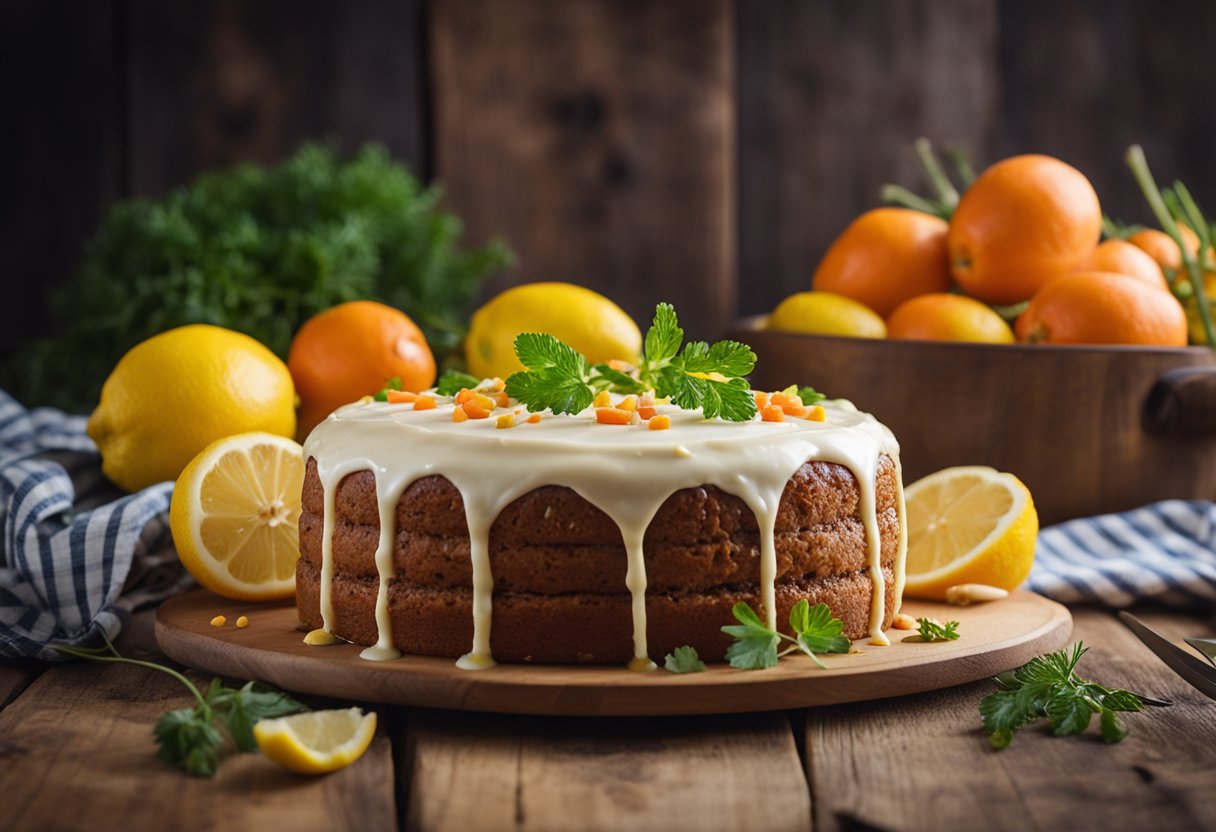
[[316, 742], [235, 516], [968, 525]]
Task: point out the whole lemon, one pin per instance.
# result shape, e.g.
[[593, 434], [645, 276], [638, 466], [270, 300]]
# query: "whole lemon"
[[826, 313], [586, 320], [177, 392]]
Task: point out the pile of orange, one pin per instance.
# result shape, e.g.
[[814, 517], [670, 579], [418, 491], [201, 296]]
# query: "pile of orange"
[[1022, 245]]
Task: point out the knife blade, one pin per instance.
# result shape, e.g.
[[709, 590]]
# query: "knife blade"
[[1200, 676]]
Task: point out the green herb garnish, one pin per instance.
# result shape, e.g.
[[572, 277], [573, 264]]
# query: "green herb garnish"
[[709, 377], [1047, 687], [930, 630], [810, 396], [755, 647], [684, 660], [453, 381], [190, 738], [393, 383], [259, 250]]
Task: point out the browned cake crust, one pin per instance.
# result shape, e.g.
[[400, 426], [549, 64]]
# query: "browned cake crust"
[[559, 566]]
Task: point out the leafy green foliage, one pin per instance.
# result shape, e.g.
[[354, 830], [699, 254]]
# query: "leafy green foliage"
[[755, 647], [259, 250], [393, 383], [708, 377], [453, 381], [810, 396], [930, 630], [684, 660], [191, 738], [1047, 686]]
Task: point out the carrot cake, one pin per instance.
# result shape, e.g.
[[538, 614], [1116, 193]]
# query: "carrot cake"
[[556, 538]]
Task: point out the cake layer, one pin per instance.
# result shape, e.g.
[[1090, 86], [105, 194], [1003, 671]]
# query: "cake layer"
[[580, 627], [552, 541]]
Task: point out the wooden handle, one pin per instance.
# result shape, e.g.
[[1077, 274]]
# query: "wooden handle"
[[1182, 403]]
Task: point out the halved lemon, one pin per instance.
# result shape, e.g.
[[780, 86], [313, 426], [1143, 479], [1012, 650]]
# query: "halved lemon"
[[968, 525], [235, 516], [316, 742]]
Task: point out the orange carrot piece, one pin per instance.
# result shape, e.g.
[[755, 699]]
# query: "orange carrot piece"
[[506, 420], [798, 411], [464, 395], [613, 416], [424, 403], [474, 410], [761, 400], [534, 418], [502, 399], [458, 415], [647, 412], [659, 422], [629, 403], [400, 396], [772, 413], [603, 399], [818, 414]]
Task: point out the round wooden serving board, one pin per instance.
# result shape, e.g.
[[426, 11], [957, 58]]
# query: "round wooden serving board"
[[995, 637]]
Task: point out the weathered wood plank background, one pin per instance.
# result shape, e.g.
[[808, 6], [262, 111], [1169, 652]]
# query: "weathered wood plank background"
[[703, 152]]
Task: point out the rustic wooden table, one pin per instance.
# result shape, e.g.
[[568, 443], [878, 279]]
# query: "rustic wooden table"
[[76, 752]]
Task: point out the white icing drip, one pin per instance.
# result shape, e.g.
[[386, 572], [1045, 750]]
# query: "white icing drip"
[[901, 555], [627, 472], [384, 649]]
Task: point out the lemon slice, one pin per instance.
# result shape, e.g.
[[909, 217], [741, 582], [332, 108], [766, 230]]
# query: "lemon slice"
[[968, 525], [235, 516], [316, 742]]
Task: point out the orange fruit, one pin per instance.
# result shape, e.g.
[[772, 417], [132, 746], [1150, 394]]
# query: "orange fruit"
[[945, 317], [1121, 257], [1103, 308], [884, 257], [351, 351], [1162, 248], [1024, 222]]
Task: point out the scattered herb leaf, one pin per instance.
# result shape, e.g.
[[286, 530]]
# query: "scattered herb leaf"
[[453, 381], [393, 383], [1047, 686], [684, 660], [755, 647], [190, 738], [930, 630], [708, 377], [810, 396]]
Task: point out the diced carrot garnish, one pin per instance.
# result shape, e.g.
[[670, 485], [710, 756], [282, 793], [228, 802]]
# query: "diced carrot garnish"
[[464, 395], [484, 402], [458, 415], [506, 420], [424, 403], [629, 403], [497, 384], [782, 399], [761, 400], [660, 422], [613, 416], [646, 412], [501, 399], [474, 410], [400, 396], [772, 413], [603, 399], [798, 411], [534, 418], [818, 414], [647, 399]]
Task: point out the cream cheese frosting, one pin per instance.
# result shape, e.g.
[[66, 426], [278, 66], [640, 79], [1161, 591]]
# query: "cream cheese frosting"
[[624, 470]]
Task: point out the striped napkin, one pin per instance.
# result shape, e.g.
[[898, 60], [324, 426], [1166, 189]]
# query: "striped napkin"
[[76, 554], [1163, 552]]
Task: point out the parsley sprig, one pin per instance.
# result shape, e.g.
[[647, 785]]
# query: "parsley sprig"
[[684, 660], [755, 647], [1047, 686], [191, 738], [694, 375], [453, 381], [930, 630]]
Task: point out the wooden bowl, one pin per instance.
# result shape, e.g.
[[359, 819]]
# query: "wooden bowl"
[[1088, 429]]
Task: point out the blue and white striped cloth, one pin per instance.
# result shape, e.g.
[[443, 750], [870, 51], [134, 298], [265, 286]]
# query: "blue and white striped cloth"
[[1164, 552], [78, 555], [72, 543]]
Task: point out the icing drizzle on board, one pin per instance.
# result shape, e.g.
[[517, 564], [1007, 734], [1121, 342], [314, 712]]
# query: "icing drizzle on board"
[[625, 471]]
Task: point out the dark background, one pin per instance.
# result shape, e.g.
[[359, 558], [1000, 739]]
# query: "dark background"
[[701, 151]]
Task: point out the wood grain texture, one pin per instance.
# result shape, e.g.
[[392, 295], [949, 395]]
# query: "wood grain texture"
[[216, 83], [15, 677], [597, 138], [1068, 421], [940, 773], [1125, 71], [76, 749], [694, 773], [831, 97], [60, 80], [271, 649]]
